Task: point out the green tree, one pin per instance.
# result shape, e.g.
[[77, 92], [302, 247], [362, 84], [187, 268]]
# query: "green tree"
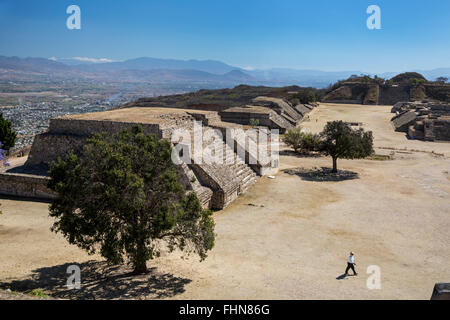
[[122, 198], [7, 134], [310, 142], [442, 79], [339, 140], [301, 141], [253, 122], [293, 138], [417, 82], [306, 96]]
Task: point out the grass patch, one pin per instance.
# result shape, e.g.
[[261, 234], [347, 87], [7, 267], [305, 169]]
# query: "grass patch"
[[378, 157], [38, 293]]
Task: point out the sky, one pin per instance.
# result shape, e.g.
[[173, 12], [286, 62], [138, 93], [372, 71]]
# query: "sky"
[[329, 35]]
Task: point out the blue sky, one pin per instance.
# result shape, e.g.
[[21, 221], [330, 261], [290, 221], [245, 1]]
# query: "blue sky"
[[312, 34]]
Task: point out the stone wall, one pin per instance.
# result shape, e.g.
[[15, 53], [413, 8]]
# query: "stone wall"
[[25, 185], [269, 119], [437, 129], [390, 95], [89, 127], [417, 93], [372, 96], [65, 135], [47, 147], [438, 92]]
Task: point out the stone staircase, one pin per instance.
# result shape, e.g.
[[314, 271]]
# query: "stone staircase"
[[191, 183], [222, 177], [280, 122], [242, 171]]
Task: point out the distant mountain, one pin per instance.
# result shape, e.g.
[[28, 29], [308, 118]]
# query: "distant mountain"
[[40, 65], [286, 73], [137, 70], [314, 78], [167, 75], [435, 73], [171, 70], [238, 75], [210, 66]]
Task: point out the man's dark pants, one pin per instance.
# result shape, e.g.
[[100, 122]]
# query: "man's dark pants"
[[350, 266]]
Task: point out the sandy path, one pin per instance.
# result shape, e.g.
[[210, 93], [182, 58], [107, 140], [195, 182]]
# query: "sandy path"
[[289, 238]]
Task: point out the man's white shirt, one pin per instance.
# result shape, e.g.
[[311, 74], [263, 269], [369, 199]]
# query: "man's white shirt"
[[351, 259]]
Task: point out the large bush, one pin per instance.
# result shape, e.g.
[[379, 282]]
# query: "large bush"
[[122, 198], [7, 134]]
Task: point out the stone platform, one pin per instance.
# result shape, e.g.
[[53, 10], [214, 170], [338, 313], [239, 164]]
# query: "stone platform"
[[216, 184]]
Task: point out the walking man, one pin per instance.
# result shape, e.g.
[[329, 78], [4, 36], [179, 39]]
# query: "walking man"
[[351, 264]]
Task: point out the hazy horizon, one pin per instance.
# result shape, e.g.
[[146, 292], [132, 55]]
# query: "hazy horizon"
[[95, 60], [303, 35]]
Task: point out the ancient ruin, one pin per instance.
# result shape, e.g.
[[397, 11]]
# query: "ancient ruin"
[[409, 86], [216, 184], [423, 120]]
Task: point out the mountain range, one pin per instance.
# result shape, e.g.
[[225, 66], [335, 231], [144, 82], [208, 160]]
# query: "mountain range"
[[176, 71]]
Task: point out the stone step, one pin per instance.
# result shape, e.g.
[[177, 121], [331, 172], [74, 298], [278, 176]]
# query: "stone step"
[[247, 178], [244, 186], [225, 180]]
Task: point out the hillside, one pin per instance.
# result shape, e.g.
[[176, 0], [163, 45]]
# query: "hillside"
[[357, 90], [221, 99]]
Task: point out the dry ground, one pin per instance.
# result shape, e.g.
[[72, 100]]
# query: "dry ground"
[[286, 238]]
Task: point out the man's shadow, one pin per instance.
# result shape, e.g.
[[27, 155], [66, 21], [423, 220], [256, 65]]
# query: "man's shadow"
[[343, 276]]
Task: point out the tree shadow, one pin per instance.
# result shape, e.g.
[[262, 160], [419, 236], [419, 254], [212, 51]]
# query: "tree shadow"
[[322, 174], [100, 281], [24, 199]]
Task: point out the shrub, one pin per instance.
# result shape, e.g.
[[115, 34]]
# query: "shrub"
[[310, 142], [301, 141], [293, 138], [253, 122]]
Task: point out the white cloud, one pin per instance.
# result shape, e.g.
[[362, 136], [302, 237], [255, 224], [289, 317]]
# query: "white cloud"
[[248, 68], [83, 59], [93, 60]]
